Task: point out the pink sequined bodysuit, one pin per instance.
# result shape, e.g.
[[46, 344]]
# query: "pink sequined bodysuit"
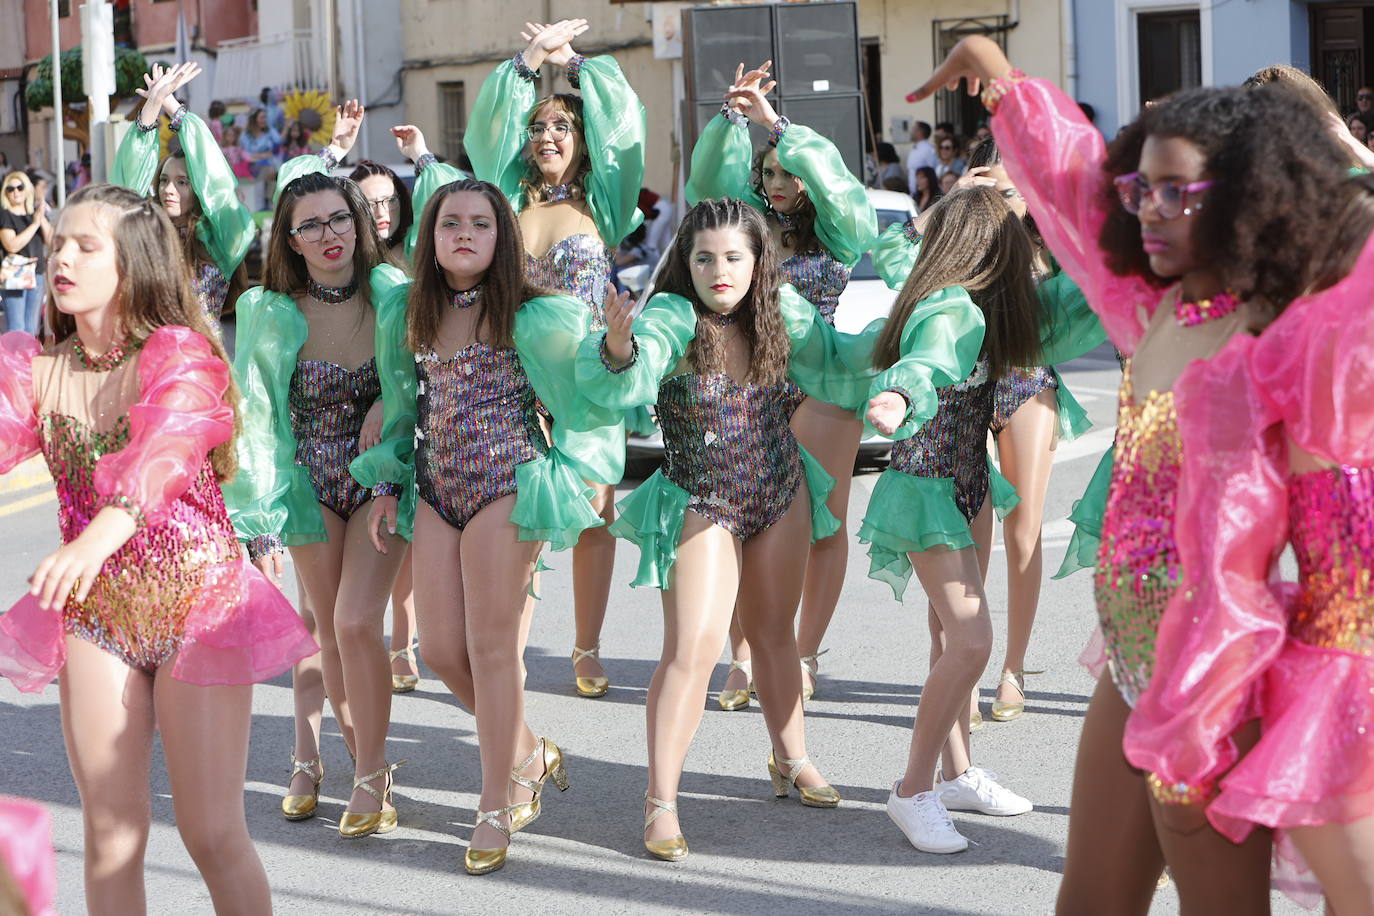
[[1331, 520], [1137, 564]]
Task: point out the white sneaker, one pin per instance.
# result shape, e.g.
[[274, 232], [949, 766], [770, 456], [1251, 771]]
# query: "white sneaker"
[[977, 789], [925, 822]]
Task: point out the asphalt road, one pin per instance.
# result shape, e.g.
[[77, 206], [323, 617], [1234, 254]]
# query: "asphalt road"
[[750, 852]]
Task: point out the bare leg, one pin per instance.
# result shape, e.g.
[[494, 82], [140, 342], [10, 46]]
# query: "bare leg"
[[107, 720], [1342, 857], [318, 568], [981, 530], [832, 435], [495, 569], [1026, 449], [769, 590], [953, 581], [403, 619], [740, 652], [593, 566], [205, 737], [1113, 860], [696, 616], [307, 694], [1214, 875]]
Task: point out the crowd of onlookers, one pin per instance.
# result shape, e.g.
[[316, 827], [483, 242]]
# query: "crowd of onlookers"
[[937, 159]]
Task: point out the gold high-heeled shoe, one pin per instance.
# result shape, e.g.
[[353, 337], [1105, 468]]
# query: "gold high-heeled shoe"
[[354, 825], [811, 674], [589, 686], [524, 813], [405, 683], [811, 796], [1005, 712], [300, 807], [486, 861], [731, 700], [670, 850]]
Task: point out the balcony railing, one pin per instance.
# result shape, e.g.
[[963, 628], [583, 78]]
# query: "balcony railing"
[[285, 61]]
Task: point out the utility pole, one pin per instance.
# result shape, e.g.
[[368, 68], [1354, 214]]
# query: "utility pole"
[[59, 151], [97, 70]]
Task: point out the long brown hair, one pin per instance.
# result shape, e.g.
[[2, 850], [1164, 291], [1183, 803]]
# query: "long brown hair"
[[760, 318], [801, 236], [504, 287], [154, 289], [974, 240], [533, 179], [285, 270]]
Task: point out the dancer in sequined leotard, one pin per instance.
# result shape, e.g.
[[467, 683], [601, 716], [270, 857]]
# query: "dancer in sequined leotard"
[[148, 611], [1181, 218], [821, 234], [492, 489], [728, 515], [571, 165], [195, 185], [316, 347]]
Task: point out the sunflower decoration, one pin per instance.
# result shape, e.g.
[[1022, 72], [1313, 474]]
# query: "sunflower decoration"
[[314, 110]]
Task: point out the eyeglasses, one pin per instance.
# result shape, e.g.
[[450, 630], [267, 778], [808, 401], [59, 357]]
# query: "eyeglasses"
[[15, 187], [384, 203], [1364, 96], [1170, 197], [1012, 194], [313, 230], [556, 131], [946, 146]]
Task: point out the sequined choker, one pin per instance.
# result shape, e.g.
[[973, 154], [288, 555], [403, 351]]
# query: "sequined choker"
[[467, 298], [112, 358], [722, 321], [787, 221], [1189, 314], [330, 295], [552, 193]]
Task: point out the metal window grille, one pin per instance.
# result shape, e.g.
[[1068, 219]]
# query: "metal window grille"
[[453, 118]]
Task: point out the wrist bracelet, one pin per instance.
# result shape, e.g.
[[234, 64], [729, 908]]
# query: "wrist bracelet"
[[330, 160], [386, 489], [425, 162], [574, 71], [178, 117], [522, 69], [913, 235], [997, 89], [147, 128], [733, 115], [120, 501], [1178, 793], [606, 356], [264, 545], [777, 130]]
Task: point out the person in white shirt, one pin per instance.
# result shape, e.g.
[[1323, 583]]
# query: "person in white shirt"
[[922, 153]]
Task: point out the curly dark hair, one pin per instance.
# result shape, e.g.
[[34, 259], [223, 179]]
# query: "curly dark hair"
[[760, 317], [801, 238], [1279, 182]]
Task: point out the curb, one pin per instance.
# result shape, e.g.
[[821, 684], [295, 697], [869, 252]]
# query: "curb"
[[27, 475]]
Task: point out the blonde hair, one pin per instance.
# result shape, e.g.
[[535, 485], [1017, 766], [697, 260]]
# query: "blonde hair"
[[28, 188]]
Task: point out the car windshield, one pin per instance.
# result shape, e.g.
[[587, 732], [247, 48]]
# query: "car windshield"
[[864, 269]]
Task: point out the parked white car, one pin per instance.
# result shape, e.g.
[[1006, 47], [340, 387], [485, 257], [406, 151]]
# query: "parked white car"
[[864, 299]]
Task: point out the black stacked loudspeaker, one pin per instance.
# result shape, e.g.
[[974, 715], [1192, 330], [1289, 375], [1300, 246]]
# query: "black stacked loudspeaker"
[[815, 52]]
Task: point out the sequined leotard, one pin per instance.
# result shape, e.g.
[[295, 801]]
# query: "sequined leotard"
[[820, 279], [1331, 523], [729, 446], [1016, 388], [476, 422], [1137, 565], [579, 265], [212, 287], [328, 406], [953, 443]]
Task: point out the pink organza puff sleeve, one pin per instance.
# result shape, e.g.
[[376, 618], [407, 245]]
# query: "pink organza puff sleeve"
[[18, 413], [1314, 368], [1226, 623], [180, 416], [26, 850], [1054, 156]]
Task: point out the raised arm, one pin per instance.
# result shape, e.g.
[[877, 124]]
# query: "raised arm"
[[430, 175], [621, 369], [818, 362], [615, 129]]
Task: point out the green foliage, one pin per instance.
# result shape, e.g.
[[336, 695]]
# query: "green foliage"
[[130, 66]]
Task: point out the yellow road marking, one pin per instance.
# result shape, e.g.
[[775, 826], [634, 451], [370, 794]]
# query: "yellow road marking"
[[22, 504]]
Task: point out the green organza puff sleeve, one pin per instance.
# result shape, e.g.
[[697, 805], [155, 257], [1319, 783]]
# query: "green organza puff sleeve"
[[614, 129], [392, 460], [226, 227], [722, 161], [271, 498], [1087, 520], [553, 503]]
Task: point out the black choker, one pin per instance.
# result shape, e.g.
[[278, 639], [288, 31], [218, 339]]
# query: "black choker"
[[722, 321], [467, 298], [553, 193], [786, 220], [330, 295]]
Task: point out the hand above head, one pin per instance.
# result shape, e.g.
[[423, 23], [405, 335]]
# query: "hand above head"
[[886, 411], [348, 118], [159, 84], [620, 322], [552, 43], [410, 141], [184, 74], [974, 178], [753, 79], [977, 59]]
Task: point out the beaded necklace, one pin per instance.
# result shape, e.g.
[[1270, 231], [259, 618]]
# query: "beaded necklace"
[[1191, 314], [467, 298], [112, 358], [330, 295], [722, 321], [553, 193]]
